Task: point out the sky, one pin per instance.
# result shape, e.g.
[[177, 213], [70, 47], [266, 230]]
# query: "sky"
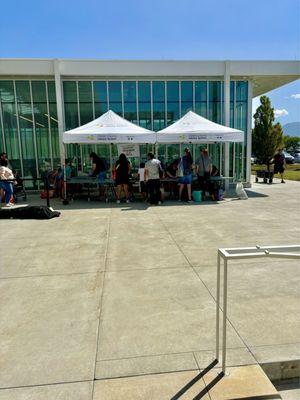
[[158, 29]]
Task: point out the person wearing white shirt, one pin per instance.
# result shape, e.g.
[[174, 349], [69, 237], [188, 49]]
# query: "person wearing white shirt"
[[6, 178], [152, 169]]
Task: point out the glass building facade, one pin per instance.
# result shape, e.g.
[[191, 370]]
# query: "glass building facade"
[[29, 124]]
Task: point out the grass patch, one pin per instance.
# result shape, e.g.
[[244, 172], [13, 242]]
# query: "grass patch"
[[292, 171]]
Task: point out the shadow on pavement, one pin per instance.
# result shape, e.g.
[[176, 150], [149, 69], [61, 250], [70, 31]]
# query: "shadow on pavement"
[[196, 379]]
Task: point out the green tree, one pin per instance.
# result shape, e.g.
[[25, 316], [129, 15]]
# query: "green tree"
[[267, 137], [291, 142]]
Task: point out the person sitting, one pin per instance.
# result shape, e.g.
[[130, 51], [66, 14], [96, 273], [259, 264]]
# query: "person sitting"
[[6, 182]]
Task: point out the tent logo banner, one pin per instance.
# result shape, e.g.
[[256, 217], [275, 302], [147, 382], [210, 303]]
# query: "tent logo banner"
[[106, 138], [130, 150]]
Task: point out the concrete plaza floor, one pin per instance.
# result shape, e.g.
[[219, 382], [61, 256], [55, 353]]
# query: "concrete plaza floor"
[[111, 291]]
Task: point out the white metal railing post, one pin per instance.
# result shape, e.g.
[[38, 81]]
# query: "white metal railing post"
[[288, 252], [224, 317], [218, 308]]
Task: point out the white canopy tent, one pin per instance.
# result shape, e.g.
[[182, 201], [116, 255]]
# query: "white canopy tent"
[[192, 128], [109, 128]]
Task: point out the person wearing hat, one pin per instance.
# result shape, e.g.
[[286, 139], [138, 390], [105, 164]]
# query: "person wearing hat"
[[186, 172]]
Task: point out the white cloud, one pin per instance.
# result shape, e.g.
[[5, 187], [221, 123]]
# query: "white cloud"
[[295, 96], [280, 113]]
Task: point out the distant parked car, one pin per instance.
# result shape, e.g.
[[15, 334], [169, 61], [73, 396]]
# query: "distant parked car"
[[289, 159], [296, 156]]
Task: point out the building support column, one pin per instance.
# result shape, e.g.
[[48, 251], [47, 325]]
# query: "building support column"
[[60, 115], [249, 135], [227, 119]]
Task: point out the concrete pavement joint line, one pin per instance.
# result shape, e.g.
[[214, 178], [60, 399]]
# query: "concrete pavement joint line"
[[168, 354], [101, 297], [47, 275], [44, 384], [194, 270]]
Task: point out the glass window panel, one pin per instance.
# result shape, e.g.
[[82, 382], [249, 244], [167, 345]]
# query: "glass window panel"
[[232, 83], [241, 91], [172, 112], [129, 91], [172, 91], [187, 91], [100, 108], [42, 136], [215, 111], [11, 134], [172, 101], [144, 91], [115, 97], [158, 116], [200, 91], [51, 91], [86, 113], [115, 94], [173, 152], [7, 91], [85, 91], [116, 107], [70, 92], [38, 91], [54, 134], [201, 108], [27, 141], [214, 91], [130, 105], [158, 91], [186, 106], [71, 115], [100, 92], [144, 95], [23, 92], [241, 115]]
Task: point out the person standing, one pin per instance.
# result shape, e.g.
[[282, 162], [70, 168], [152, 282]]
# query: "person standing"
[[186, 167], [279, 164], [204, 168], [7, 177], [152, 170], [122, 169], [98, 167]]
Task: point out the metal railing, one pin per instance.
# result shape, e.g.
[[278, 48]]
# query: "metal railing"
[[287, 252]]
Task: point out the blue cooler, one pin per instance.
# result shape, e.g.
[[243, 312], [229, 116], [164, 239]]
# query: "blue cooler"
[[197, 195]]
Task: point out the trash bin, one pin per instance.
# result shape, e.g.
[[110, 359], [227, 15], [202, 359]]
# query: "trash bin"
[[197, 195]]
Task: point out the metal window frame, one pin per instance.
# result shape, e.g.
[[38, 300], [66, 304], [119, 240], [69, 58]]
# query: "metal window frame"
[[2, 128], [18, 129], [226, 254], [49, 125], [34, 134]]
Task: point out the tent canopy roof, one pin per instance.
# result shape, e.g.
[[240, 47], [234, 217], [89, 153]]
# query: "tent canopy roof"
[[109, 128], [193, 128]]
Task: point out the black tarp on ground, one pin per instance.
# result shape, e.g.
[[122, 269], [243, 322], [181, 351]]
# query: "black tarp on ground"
[[28, 212]]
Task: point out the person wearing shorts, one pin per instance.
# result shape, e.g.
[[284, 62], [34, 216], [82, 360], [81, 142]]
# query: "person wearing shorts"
[[186, 166]]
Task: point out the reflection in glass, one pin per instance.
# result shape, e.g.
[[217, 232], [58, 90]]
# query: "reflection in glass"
[[186, 97], [115, 96], [172, 102], [158, 92], [100, 97], [144, 95], [130, 104]]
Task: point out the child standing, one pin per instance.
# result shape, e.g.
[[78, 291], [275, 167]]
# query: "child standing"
[[143, 188]]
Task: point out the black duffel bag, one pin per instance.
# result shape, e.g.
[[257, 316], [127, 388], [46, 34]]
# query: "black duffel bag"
[[28, 212]]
